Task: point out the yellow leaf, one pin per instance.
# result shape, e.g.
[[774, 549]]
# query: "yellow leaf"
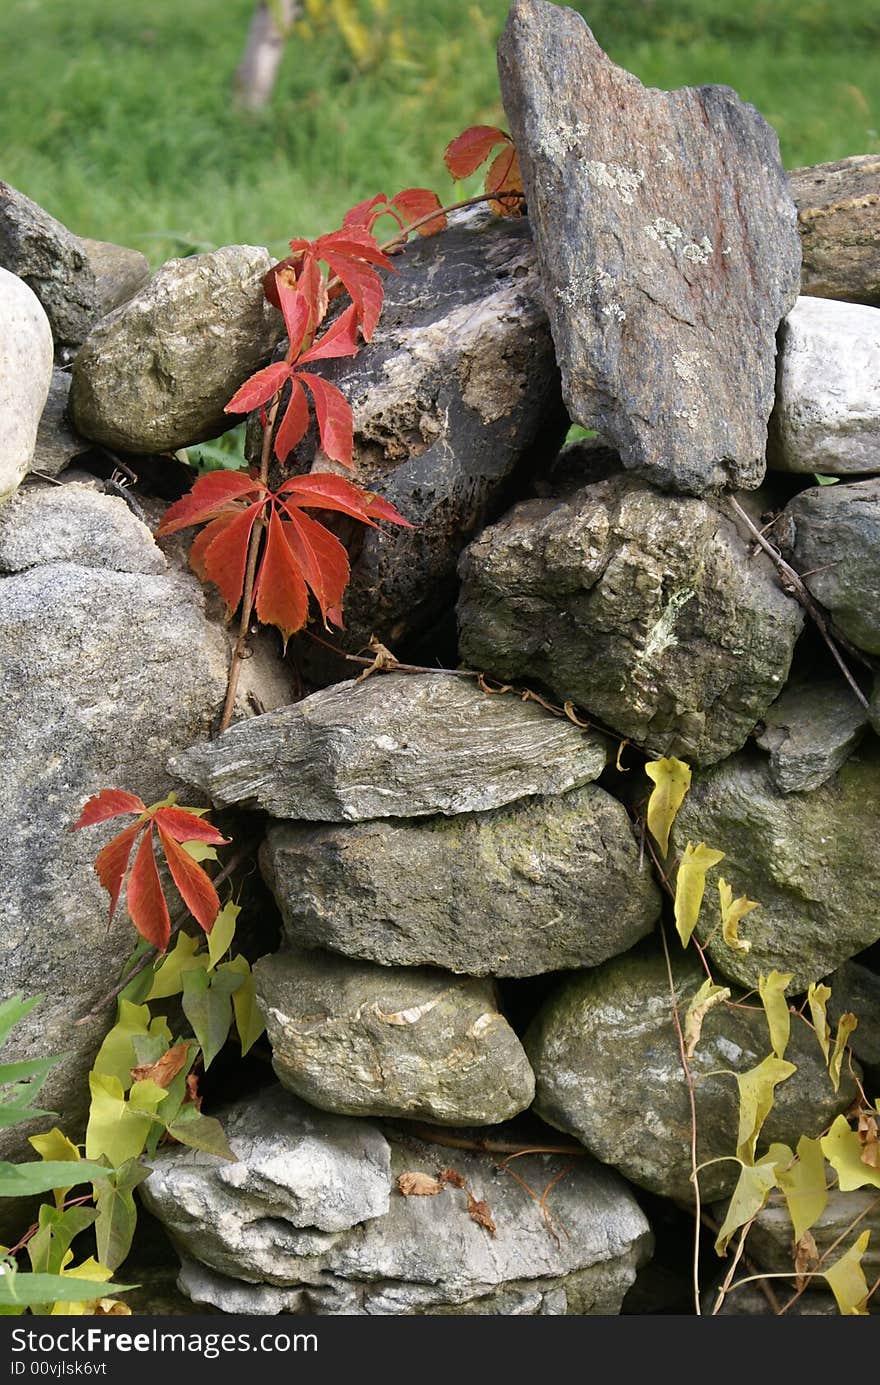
[[732, 912], [843, 1150], [54, 1145], [750, 1194], [772, 992], [199, 851], [222, 933], [846, 1026], [756, 1090], [817, 998], [690, 883], [846, 1279], [89, 1269], [117, 1129], [707, 997], [672, 779], [184, 956], [116, 1055], [803, 1186]]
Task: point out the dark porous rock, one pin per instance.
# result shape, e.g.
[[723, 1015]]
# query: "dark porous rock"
[[608, 1070], [156, 373], [57, 443], [455, 398], [856, 989], [359, 1039], [809, 859], [77, 281], [810, 731], [648, 610], [546, 884], [839, 221], [832, 534], [668, 245], [395, 745], [311, 1221]]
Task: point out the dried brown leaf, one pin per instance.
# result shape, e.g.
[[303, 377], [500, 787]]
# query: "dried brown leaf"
[[806, 1256], [479, 1212], [165, 1069], [414, 1184]]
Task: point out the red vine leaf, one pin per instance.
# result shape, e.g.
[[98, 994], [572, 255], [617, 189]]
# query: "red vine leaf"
[[471, 148], [416, 203], [504, 177]]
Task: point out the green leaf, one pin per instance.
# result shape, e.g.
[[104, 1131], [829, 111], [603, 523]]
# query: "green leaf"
[[846, 1279], [772, 992], [117, 1128], [817, 999], [690, 884], [756, 1091], [13, 1011], [803, 1186], [707, 997], [843, 1150], [17, 1289], [847, 1024], [248, 1017], [733, 911], [754, 1186], [26, 1180], [117, 1213], [183, 957], [25, 1070], [201, 1132], [48, 1247], [221, 935], [208, 1007], [672, 779], [826, 480]]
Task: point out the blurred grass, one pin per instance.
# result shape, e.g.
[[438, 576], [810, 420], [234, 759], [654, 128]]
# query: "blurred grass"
[[117, 117]]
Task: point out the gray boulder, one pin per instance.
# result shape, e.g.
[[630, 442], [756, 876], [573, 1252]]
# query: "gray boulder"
[[358, 1039], [827, 414], [154, 375], [839, 221], [808, 858], [648, 610], [608, 1070], [771, 1239], [855, 988], [57, 443], [668, 246], [25, 376], [832, 534], [394, 745], [539, 886], [810, 731], [254, 1236], [74, 523]]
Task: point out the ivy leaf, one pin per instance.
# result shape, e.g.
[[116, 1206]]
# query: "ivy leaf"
[[248, 1018], [118, 1128], [116, 1213], [803, 1186], [756, 1091], [28, 1180], [183, 957], [117, 1056], [19, 1291], [707, 997], [164, 1069], [846, 1279], [54, 1146], [89, 1270], [754, 1185], [817, 999], [672, 779], [208, 1007], [415, 203], [843, 1150], [733, 911], [201, 1132], [56, 1227], [471, 148], [846, 1026], [772, 992], [690, 885], [222, 934]]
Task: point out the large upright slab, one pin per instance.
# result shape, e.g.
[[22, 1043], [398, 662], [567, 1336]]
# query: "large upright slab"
[[668, 245]]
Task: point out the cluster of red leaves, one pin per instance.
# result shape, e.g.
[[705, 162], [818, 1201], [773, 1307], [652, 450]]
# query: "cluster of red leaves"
[[144, 898], [472, 148], [299, 553]]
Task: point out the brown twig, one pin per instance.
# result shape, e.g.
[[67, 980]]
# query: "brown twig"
[[765, 1288], [32, 1230], [811, 1274], [722, 1292], [689, 1079], [506, 1147]]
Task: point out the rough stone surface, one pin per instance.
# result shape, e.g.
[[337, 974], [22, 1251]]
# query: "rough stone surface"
[[648, 610], [57, 443], [359, 1039], [543, 885], [856, 989], [809, 859], [771, 1241], [668, 246], [395, 745], [839, 221], [810, 731], [155, 374], [74, 523], [77, 281], [832, 534], [457, 395], [827, 414], [25, 376], [608, 1070], [254, 1239]]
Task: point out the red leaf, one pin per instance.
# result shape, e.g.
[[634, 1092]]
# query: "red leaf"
[[355, 242], [340, 339], [322, 559], [185, 826], [202, 542], [108, 803], [414, 203], [293, 426], [471, 148], [210, 496], [282, 598], [166, 1068], [364, 287], [258, 389], [335, 421], [322, 490], [504, 176], [297, 314], [196, 889], [270, 278], [111, 862], [359, 215], [377, 508], [224, 559], [313, 286], [146, 902]]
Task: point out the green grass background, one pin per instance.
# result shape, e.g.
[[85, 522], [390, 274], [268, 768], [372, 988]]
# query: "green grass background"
[[116, 114]]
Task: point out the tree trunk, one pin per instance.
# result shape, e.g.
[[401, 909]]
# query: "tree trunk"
[[255, 75]]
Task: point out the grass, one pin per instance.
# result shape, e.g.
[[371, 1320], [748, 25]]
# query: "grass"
[[117, 116]]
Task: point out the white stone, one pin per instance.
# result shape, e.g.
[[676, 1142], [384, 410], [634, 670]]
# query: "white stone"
[[26, 350], [827, 416]]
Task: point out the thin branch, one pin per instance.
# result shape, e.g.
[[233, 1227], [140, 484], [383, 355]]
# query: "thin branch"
[[506, 1147], [722, 1292], [689, 1079], [811, 1274]]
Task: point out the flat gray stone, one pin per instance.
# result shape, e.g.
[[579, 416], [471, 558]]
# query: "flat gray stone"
[[771, 1239], [810, 731], [359, 1039], [25, 377], [74, 523], [539, 886], [155, 374], [668, 245], [394, 745], [809, 859], [827, 414], [57, 444], [647, 610], [832, 534], [839, 221], [856, 988], [608, 1070], [243, 1251]]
